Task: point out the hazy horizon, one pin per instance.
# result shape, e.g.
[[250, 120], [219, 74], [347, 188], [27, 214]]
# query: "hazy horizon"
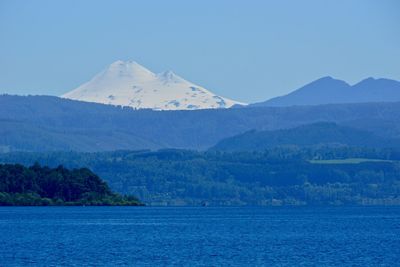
[[246, 51]]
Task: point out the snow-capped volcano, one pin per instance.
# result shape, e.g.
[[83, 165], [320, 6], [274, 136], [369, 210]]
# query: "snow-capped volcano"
[[130, 84]]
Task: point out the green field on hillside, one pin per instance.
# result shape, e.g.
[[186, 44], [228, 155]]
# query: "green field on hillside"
[[347, 161]]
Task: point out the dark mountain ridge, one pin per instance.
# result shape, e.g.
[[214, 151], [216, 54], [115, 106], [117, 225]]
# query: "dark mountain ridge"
[[328, 90]]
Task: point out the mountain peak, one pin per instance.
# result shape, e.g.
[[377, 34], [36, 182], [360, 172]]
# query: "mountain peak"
[[328, 90], [366, 80], [328, 80], [127, 83], [119, 64], [120, 71], [124, 63]]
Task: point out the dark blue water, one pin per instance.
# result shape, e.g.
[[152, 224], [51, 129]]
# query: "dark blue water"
[[147, 236]]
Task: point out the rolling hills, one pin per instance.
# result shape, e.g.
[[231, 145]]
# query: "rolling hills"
[[316, 134], [45, 123]]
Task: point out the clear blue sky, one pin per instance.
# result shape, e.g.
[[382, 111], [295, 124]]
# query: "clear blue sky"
[[246, 50]]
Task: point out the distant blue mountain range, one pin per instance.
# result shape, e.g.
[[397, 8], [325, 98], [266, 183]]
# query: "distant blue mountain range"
[[328, 90], [44, 123]]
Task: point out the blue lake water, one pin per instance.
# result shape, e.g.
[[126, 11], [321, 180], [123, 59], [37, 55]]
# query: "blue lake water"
[[248, 236]]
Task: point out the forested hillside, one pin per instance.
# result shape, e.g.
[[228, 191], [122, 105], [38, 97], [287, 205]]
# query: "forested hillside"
[[43, 123], [279, 176], [316, 134], [42, 186]]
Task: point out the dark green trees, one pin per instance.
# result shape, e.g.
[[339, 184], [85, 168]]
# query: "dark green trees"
[[38, 185]]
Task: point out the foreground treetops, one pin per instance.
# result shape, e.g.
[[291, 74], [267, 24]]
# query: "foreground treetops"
[[42, 186]]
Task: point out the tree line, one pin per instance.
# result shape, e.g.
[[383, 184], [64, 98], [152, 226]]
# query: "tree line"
[[37, 185], [278, 176]]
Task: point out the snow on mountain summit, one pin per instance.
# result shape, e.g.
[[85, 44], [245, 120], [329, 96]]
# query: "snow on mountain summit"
[[130, 84]]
